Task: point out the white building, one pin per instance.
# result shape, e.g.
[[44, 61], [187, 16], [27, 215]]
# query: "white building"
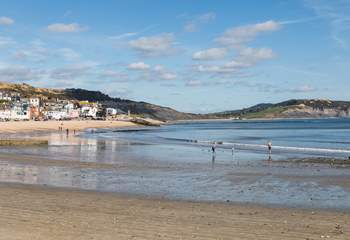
[[74, 113], [14, 114], [111, 111], [35, 102], [89, 111], [20, 110], [5, 96], [20, 115], [5, 114], [69, 106], [56, 115]]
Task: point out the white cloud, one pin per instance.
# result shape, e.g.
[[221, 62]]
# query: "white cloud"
[[19, 74], [210, 54], [66, 28], [194, 24], [206, 17], [130, 34], [158, 68], [158, 72], [35, 55], [300, 89], [68, 54], [155, 45], [213, 69], [167, 76], [114, 75], [111, 73], [238, 36], [5, 41], [247, 57], [124, 35], [303, 89], [250, 56], [162, 73], [34, 52], [37, 51], [256, 54], [138, 66], [70, 72], [190, 27], [6, 21], [193, 83]]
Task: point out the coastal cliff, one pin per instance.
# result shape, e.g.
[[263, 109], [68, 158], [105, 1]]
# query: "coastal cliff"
[[296, 108]]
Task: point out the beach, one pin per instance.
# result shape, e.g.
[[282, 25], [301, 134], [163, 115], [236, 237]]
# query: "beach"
[[44, 126], [96, 185], [29, 212]]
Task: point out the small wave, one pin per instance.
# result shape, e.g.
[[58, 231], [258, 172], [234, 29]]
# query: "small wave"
[[260, 147]]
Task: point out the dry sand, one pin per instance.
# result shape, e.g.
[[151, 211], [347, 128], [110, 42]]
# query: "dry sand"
[[30, 126], [29, 212]]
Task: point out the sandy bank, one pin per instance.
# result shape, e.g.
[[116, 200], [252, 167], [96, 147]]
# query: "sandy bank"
[[45, 213], [29, 126], [23, 143]]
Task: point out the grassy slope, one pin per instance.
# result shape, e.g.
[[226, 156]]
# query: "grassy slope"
[[29, 91], [266, 113]]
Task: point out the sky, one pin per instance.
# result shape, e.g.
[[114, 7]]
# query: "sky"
[[192, 55]]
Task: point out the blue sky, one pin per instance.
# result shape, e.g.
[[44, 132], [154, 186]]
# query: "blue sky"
[[192, 55]]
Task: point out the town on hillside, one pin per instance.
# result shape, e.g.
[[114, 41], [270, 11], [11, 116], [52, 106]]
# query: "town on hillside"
[[14, 107]]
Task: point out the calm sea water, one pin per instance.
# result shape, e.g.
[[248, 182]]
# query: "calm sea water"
[[325, 137], [174, 161]]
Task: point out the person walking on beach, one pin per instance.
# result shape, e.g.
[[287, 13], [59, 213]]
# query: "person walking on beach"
[[269, 147], [67, 132], [213, 148]]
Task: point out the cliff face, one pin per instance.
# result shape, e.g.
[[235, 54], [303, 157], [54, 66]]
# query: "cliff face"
[[304, 108], [311, 112]]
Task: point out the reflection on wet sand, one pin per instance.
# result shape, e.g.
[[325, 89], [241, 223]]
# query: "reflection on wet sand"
[[52, 176], [173, 171]]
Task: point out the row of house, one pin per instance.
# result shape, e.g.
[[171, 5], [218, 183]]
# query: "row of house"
[[15, 107]]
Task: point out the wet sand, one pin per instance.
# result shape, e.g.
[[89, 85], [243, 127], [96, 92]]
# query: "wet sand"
[[321, 160], [42, 212], [29, 212], [36, 126]]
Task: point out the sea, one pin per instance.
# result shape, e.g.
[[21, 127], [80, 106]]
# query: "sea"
[[176, 161]]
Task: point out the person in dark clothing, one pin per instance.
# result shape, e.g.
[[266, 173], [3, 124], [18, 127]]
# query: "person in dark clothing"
[[213, 148]]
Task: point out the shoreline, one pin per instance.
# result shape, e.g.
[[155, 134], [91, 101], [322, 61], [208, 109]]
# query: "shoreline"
[[57, 213]]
